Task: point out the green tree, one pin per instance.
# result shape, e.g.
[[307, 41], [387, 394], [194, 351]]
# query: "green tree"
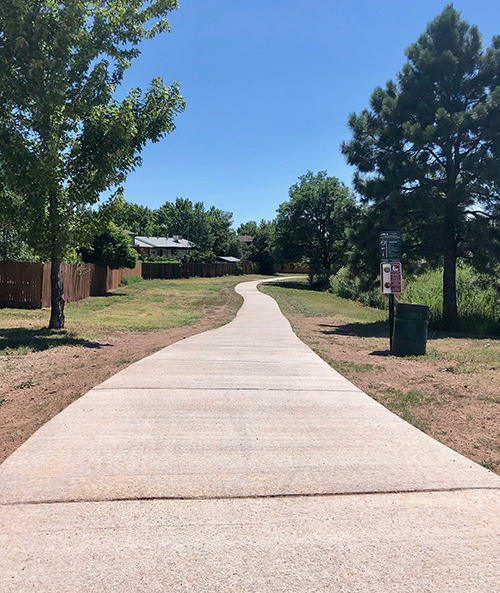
[[262, 249], [138, 219], [313, 224], [64, 139], [247, 228], [225, 241], [210, 230], [427, 150], [184, 218], [111, 248]]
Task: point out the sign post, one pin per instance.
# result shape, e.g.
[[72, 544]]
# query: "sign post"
[[391, 282]]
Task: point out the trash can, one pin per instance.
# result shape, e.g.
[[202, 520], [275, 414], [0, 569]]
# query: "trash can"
[[410, 330]]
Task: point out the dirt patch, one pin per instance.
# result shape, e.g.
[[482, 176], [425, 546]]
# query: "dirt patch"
[[458, 407], [37, 386]]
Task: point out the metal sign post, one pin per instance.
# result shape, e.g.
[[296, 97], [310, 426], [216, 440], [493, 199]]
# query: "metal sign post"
[[390, 271], [391, 320]]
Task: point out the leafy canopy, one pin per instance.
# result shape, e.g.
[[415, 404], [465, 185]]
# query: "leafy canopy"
[[64, 139], [313, 224]]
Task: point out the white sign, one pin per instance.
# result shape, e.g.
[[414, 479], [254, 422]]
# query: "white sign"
[[391, 280]]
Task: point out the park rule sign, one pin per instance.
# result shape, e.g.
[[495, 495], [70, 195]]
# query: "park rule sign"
[[391, 281], [390, 246]]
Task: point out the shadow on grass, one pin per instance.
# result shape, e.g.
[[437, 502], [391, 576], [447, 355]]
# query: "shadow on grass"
[[291, 284], [110, 294], [375, 329], [20, 340]]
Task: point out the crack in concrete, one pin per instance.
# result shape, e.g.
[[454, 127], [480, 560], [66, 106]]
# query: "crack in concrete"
[[248, 497]]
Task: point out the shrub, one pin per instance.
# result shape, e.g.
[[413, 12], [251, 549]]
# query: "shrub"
[[478, 301], [126, 280], [347, 286], [111, 248], [160, 259]]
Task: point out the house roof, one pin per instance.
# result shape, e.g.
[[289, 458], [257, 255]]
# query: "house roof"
[[129, 233], [163, 243], [228, 258], [245, 238]]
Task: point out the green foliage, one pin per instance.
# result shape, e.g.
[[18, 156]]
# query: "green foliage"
[[225, 241], [126, 280], [13, 247], [349, 286], [477, 299], [247, 228], [262, 249], [64, 139], [161, 259], [196, 256], [427, 154], [111, 248], [312, 225], [184, 218], [345, 285], [137, 219]]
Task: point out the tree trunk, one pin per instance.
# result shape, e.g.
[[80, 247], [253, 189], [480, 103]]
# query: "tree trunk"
[[450, 311], [56, 295]]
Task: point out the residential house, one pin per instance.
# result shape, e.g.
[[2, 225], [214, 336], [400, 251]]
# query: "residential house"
[[171, 247]]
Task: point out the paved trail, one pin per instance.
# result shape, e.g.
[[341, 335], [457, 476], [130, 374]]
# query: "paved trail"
[[239, 461]]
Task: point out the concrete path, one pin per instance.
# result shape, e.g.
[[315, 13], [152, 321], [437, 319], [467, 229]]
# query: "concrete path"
[[239, 461]]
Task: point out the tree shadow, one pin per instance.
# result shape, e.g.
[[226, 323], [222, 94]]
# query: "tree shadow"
[[375, 329], [38, 339], [110, 294], [292, 284], [438, 334]]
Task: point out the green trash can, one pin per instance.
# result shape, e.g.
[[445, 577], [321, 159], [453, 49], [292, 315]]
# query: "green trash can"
[[410, 330]]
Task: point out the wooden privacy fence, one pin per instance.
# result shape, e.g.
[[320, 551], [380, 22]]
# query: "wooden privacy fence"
[[25, 285], [20, 285], [152, 271]]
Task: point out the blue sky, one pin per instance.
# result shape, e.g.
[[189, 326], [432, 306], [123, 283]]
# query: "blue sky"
[[269, 85]]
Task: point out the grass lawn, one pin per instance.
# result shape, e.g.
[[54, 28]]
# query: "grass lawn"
[[143, 306]]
